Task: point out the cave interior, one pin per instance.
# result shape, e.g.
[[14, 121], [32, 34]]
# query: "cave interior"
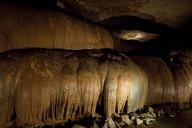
[[92, 64]]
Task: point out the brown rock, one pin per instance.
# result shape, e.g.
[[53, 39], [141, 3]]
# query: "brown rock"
[[139, 121], [109, 123], [125, 118], [26, 27], [177, 11]]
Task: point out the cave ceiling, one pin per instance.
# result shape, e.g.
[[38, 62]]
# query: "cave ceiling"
[[169, 20], [174, 13]]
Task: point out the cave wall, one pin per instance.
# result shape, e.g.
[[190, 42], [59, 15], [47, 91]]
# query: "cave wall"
[[181, 67], [160, 80]]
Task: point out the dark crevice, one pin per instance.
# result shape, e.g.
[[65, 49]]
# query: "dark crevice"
[[132, 22], [169, 37], [13, 116], [13, 119]]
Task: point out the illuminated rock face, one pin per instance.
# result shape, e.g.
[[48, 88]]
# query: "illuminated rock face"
[[53, 86], [135, 35], [27, 27]]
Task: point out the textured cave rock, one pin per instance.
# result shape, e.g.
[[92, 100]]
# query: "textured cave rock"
[[52, 86], [181, 65], [24, 26], [160, 80], [47, 87], [174, 13]]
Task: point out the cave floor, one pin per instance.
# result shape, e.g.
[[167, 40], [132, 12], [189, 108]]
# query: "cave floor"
[[181, 120]]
